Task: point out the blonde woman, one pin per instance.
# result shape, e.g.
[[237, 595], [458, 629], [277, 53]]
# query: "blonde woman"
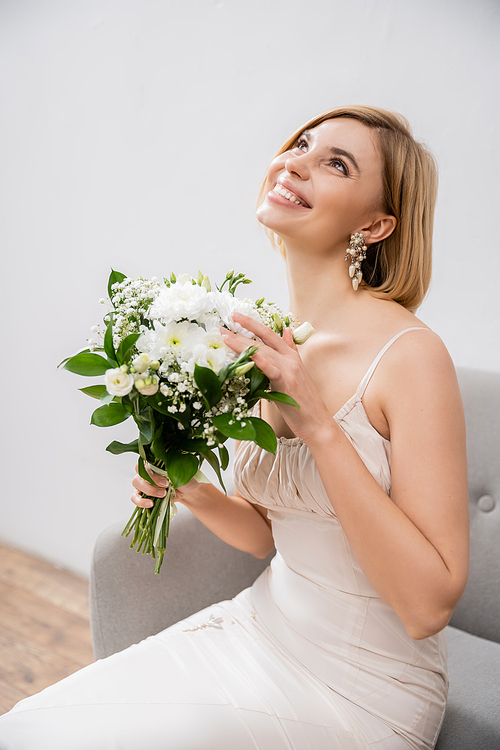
[[340, 642]]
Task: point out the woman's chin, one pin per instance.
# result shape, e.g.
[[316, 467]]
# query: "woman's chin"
[[267, 215]]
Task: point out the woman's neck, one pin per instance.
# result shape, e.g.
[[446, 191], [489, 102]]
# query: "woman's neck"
[[320, 289]]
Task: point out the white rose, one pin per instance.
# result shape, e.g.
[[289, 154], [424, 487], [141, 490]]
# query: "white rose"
[[118, 383]]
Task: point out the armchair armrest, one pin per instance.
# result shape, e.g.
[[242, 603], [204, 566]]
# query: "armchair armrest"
[[128, 602]]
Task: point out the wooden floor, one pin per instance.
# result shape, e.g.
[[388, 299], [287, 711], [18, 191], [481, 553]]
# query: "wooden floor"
[[44, 626]]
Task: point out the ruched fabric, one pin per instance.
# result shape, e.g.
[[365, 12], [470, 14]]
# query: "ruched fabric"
[[307, 658]]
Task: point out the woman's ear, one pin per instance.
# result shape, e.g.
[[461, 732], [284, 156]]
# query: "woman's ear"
[[381, 227]]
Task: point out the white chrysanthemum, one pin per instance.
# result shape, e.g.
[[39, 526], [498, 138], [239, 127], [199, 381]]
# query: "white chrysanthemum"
[[226, 304], [172, 340], [181, 301], [209, 320], [207, 356]]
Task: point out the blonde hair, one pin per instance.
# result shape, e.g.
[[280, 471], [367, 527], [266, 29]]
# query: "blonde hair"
[[397, 268]]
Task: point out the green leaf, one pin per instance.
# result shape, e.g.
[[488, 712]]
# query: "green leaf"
[[209, 385], [224, 457], [276, 396], [257, 379], [143, 473], [87, 364], [114, 277], [159, 449], [106, 416], [108, 341], [96, 391], [181, 467], [117, 448], [223, 372], [146, 433], [212, 459], [126, 346], [265, 435], [195, 445], [80, 351], [107, 398], [245, 355], [235, 430]]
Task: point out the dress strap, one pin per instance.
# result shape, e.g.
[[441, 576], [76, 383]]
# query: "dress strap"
[[366, 379]]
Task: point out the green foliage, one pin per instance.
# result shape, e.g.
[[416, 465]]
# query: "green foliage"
[[117, 448], [108, 340], [181, 467], [126, 347], [209, 385], [283, 398], [110, 414], [95, 391], [212, 459], [143, 473], [88, 364], [224, 457], [265, 436], [114, 277], [234, 430]]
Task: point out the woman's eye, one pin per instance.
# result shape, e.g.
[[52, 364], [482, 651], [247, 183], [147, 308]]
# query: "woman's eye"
[[301, 143], [335, 162]]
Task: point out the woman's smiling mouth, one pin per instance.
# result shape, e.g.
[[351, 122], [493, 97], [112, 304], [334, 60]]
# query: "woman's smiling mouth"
[[286, 195]]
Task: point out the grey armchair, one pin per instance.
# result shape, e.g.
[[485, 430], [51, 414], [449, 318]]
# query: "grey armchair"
[[129, 603]]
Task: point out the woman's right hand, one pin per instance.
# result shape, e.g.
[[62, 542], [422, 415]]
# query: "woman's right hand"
[[141, 485]]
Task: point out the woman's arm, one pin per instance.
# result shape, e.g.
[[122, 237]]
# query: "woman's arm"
[[232, 518], [414, 546]]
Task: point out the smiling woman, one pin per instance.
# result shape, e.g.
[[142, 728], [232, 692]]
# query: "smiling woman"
[[401, 182], [340, 643]]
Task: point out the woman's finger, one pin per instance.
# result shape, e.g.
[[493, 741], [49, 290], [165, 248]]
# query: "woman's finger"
[[157, 478], [139, 500], [268, 336], [141, 485]]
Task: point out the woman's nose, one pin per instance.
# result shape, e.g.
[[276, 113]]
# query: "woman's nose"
[[297, 164]]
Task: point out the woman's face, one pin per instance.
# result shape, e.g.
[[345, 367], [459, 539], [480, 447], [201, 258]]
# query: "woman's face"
[[335, 171]]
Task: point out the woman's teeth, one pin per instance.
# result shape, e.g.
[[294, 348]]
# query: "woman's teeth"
[[286, 194]]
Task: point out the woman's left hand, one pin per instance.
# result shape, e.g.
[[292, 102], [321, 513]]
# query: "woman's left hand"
[[279, 359]]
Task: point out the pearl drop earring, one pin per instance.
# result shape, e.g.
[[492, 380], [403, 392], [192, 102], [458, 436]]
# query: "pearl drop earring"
[[356, 253]]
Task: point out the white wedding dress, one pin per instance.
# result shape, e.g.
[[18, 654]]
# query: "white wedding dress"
[[307, 658]]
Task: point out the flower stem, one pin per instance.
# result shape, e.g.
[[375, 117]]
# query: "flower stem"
[[150, 524]]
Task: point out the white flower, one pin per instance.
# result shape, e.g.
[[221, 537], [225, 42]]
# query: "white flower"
[[184, 278], [226, 304], [211, 351], [302, 333], [177, 339], [241, 370], [118, 383], [181, 301], [141, 363]]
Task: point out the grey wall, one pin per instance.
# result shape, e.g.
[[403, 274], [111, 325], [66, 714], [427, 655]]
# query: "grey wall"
[[135, 134]]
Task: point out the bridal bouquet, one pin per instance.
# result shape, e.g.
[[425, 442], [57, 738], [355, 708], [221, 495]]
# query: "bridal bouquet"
[[164, 363]]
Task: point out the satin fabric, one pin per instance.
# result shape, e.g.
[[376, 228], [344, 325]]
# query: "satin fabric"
[[307, 658]]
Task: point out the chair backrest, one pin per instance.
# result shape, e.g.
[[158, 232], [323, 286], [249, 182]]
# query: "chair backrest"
[[478, 610]]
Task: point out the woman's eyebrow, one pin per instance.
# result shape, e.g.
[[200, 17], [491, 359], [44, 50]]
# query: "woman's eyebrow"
[[337, 150]]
